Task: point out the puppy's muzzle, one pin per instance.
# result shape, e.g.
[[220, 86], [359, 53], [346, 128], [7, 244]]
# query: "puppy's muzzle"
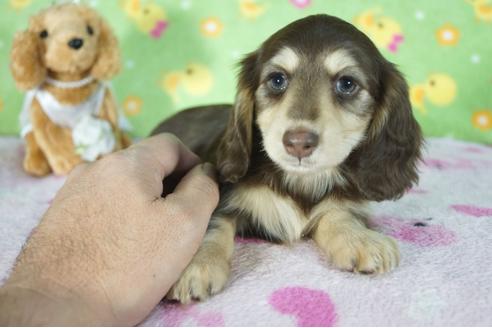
[[300, 143], [76, 43]]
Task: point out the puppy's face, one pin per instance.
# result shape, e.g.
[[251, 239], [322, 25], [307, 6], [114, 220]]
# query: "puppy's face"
[[312, 108], [68, 38], [324, 100]]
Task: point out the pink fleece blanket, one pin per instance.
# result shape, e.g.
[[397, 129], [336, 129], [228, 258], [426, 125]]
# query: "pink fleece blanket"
[[443, 227]]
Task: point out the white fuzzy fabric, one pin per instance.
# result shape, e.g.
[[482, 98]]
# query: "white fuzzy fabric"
[[445, 276]]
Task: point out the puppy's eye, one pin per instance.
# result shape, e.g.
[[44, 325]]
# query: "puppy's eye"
[[346, 86], [90, 31], [43, 34], [278, 82]]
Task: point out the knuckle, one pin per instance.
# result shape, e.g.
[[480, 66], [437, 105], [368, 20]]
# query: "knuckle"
[[113, 160], [120, 162]]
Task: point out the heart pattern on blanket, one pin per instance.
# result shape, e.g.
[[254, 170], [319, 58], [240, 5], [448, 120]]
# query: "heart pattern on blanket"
[[456, 164], [472, 210], [310, 307], [418, 232], [176, 315]]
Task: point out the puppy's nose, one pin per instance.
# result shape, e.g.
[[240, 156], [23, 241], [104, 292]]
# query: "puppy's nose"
[[76, 43], [300, 143]]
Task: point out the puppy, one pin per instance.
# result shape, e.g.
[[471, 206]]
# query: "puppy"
[[62, 59], [321, 125]]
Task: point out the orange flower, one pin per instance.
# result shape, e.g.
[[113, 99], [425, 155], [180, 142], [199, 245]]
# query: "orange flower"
[[482, 120], [448, 35], [132, 105], [211, 27]]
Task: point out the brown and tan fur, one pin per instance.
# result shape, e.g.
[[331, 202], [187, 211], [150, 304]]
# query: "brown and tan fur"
[[49, 147], [369, 145]]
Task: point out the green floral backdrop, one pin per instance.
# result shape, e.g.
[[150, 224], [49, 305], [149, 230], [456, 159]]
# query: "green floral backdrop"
[[181, 53]]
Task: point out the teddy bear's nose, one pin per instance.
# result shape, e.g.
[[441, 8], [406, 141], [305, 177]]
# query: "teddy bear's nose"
[[76, 43]]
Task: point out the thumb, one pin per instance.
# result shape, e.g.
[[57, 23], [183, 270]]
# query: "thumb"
[[196, 196]]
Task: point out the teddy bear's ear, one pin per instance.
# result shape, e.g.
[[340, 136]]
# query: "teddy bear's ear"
[[26, 65], [108, 59]]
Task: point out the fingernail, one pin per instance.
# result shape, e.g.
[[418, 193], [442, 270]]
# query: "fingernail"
[[209, 170]]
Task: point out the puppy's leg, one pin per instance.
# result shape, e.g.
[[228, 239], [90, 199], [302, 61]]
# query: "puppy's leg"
[[35, 162], [350, 245], [209, 270]]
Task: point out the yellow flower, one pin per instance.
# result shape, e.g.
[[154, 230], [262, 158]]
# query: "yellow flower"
[[482, 120], [448, 35], [19, 4], [211, 27], [251, 9], [440, 89], [132, 105]]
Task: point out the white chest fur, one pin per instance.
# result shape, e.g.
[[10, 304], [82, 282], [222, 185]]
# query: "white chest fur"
[[278, 215]]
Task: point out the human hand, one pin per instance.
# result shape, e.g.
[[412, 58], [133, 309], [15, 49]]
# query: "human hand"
[[110, 247]]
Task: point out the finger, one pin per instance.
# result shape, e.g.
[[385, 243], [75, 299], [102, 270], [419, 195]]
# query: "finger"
[[165, 153], [195, 197]]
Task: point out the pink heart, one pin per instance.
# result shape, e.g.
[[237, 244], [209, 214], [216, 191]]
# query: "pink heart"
[[176, 314], [300, 3], [310, 307], [418, 232], [473, 210]]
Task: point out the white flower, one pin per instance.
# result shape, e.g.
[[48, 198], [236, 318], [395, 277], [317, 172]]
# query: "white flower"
[[93, 137]]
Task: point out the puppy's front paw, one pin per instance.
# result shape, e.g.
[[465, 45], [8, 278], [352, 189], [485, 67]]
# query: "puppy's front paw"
[[202, 278], [363, 251]]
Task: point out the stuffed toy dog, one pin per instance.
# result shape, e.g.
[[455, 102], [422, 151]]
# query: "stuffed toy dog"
[[69, 113]]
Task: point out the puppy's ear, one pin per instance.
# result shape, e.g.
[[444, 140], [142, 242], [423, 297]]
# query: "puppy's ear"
[[234, 150], [26, 63], [108, 59], [385, 164]]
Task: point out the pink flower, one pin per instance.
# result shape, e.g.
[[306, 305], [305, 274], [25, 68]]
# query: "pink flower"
[[301, 4]]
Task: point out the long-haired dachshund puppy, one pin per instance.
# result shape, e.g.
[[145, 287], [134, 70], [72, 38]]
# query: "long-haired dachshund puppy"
[[321, 125]]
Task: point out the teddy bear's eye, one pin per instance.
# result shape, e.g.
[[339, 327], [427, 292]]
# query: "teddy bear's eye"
[[43, 34], [90, 30]]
